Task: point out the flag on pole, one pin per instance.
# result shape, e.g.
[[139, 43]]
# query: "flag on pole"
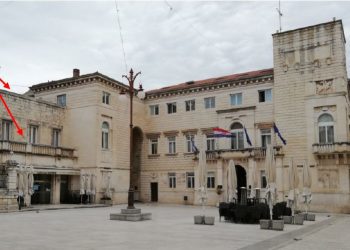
[[219, 132], [247, 137], [276, 130]]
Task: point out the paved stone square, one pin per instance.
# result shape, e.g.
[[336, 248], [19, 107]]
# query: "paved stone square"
[[171, 227]]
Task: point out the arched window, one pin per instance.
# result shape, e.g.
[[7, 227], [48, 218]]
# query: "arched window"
[[326, 129], [105, 135], [237, 140]]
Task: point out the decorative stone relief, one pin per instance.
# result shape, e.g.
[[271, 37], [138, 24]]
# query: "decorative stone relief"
[[328, 179], [324, 87]]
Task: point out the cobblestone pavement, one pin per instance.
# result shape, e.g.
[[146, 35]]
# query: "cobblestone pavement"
[[171, 227]]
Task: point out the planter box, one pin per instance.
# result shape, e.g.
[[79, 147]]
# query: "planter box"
[[287, 219], [265, 224], [209, 220], [107, 202], [311, 217], [278, 225], [198, 219], [299, 219]]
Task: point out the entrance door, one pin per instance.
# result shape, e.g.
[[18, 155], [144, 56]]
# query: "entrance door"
[[241, 180], [42, 189], [64, 192], [154, 191]]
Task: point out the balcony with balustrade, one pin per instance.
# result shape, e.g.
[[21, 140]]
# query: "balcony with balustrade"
[[256, 153], [37, 149], [331, 148]]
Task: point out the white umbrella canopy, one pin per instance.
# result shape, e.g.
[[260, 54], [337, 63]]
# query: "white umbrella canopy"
[[93, 184], [231, 181], [20, 180], [270, 169], [31, 181], [293, 185], [108, 193], [254, 183], [82, 184], [202, 164], [307, 182], [88, 184]]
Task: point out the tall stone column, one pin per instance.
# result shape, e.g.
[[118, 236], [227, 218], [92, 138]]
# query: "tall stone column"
[[8, 201]]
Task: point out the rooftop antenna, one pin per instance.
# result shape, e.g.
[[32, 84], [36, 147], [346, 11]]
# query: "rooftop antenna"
[[279, 14]]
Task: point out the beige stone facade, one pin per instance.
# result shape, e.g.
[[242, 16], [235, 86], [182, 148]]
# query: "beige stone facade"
[[305, 95]]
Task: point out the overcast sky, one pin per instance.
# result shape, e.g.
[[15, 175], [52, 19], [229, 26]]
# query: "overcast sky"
[[170, 42]]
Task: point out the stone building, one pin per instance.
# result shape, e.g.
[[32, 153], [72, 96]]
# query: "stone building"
[[306, 95]]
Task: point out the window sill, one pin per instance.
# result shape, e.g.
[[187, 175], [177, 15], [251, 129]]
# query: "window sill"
[[154, 156], [175, 154], [188, 153]]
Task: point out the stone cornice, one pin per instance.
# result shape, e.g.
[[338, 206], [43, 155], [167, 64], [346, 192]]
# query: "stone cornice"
[[211, 85], [171, 133], [189, 131], [77, 81], [222, 111]]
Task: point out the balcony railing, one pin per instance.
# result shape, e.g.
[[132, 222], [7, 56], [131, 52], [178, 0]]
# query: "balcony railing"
[[258, 152], [330, 148], [36, 149]]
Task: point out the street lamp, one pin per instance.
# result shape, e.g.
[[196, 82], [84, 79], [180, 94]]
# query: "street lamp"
[[131, 91]]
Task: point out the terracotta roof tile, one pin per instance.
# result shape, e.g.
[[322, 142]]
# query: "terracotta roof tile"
[[200, 83]]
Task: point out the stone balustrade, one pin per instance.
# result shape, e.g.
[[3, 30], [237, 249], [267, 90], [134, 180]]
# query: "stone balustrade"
[[331, 148], [257, 152], [36, 149]]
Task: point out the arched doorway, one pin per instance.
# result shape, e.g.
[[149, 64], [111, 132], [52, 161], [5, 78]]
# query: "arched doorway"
[[241, 180], [136, 168]]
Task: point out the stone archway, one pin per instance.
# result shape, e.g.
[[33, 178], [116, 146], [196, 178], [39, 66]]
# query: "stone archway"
[[241, 180], [136, 169]]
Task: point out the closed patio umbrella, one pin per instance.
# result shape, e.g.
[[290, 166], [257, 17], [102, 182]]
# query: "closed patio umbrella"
[[31, 181], [20, 182], [254, 183], [293, 186], [202, 162], [270, 169], [82, 183], [108, 193], [307, 182], [231, 181]]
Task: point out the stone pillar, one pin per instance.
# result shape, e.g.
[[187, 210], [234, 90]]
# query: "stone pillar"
[[279, 179], [56, 188]]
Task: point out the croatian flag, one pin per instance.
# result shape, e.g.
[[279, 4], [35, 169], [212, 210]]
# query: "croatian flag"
[[276, 130], [219, 132]]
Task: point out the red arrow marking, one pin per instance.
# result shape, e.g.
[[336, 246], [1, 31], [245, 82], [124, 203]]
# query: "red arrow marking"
[[19, 130], [6, 84]]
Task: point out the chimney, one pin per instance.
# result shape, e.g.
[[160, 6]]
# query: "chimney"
[[76, 72]]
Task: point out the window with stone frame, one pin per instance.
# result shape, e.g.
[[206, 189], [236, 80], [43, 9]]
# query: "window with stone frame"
[[171, 107], [153, 149], [62, 100], [6, 130], [172, 180], [265, 95], [190, 143], [326, 129], [210, 143], [105, 97], [56, 137], [190, 105], [263, 179], [236, 99], [33, 134], [211, 180], [154, 109], [209, 102], [172, 145], [265, 137], [237, 139], [105, 135], [190, 180]]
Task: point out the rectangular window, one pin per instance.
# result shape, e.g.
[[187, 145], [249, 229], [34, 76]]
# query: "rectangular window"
[[154, 146], [172, 180], [190, 105], [171, 107], [190, 180], [263, 179], [105, 97], [56, 137], [61, 100], [6, 130], [172, 144], [189, 143], [154, 109], [265, 137], [211, 180], [33, 134], [236, 99], [210, 144], [209, 102], [265, 95], [237, 140]]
